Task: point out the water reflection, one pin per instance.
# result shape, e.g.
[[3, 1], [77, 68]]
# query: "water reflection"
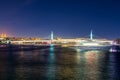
[[59, 64], [113, 67], [51, 64], [3, 66], [92, 64], [81, 66]]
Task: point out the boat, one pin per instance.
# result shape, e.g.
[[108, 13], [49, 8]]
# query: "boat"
[[115, 49]]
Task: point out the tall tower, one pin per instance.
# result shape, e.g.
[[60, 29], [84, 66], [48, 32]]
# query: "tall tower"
[[52, 36], [91, 35]]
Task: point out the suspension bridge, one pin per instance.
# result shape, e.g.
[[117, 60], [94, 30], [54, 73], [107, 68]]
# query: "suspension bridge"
[[64, 42]]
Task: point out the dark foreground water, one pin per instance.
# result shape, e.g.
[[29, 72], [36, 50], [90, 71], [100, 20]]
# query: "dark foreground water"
[[59, 64]]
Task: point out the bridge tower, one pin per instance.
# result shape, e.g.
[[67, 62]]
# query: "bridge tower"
[[51, 36], [91, 35]]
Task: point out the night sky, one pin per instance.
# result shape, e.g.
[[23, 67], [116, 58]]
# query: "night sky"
[[67, 18]]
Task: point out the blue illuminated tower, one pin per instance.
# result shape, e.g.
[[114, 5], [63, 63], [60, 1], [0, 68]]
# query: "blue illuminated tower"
[[91, 35], [52, 36]]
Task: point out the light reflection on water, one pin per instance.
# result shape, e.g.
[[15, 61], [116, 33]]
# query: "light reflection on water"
[[59, 64], [51, 66]]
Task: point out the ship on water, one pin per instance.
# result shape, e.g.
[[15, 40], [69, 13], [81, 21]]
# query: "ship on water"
[[93, 44]]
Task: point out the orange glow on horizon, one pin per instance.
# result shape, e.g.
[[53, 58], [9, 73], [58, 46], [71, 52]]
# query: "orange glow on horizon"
[[3, 35]]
